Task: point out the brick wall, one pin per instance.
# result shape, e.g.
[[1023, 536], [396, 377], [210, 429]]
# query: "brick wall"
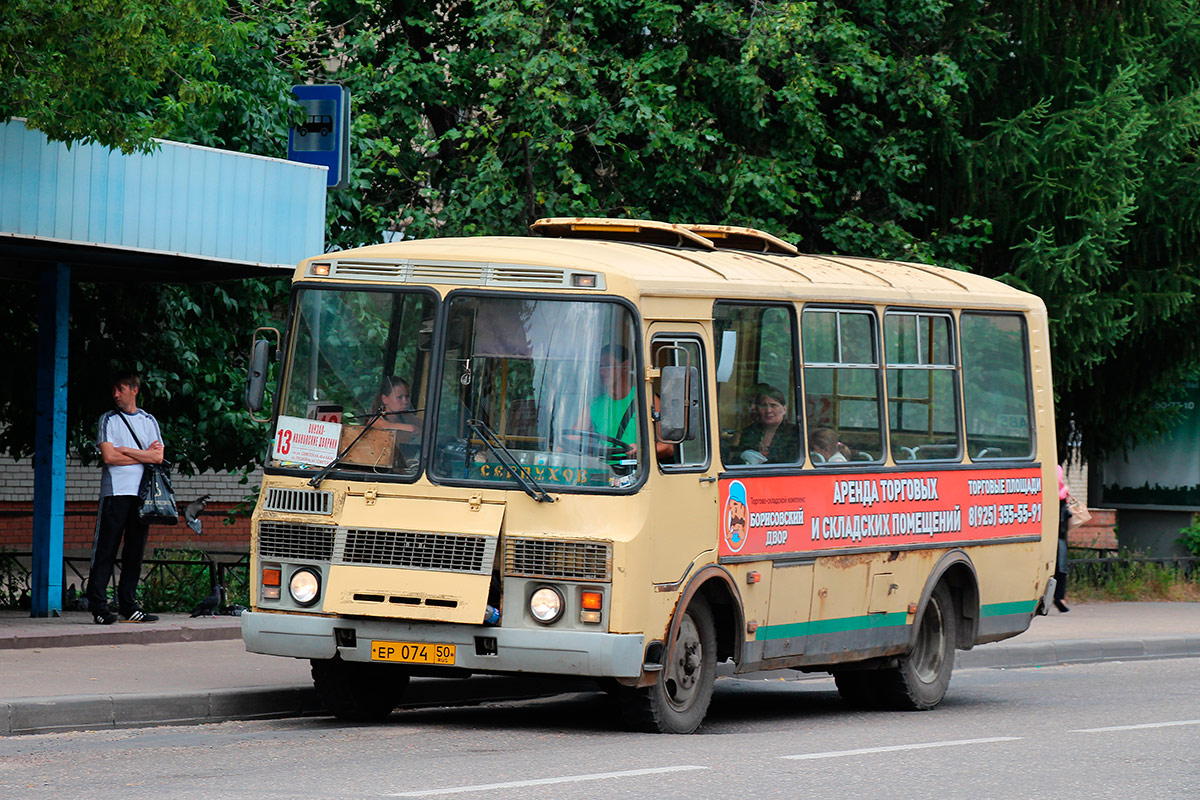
[[82, 493], [1098, 533]]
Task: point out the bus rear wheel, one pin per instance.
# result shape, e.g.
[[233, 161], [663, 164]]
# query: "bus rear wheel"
[[679, 698], [358, 692], [859, 688], [920, 681]]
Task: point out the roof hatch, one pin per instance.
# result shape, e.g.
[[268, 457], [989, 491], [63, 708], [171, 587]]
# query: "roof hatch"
[[646, 231], [640, 231], [728, 237]]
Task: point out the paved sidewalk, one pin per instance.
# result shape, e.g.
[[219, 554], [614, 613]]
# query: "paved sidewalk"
[[67, 673]]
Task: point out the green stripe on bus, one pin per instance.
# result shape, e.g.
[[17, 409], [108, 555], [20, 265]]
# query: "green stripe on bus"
[[1004, 609], [890, 620], [820, 626]]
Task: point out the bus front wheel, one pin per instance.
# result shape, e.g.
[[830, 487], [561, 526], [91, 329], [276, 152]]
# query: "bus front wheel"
[[920, 681], [358, 692], [678, 700]]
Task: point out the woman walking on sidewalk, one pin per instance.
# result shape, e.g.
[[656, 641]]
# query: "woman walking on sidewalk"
[[1060, 567]]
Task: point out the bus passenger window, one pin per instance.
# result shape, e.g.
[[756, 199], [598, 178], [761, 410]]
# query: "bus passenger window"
[[756, 407], [922, 411], [841, 385], [995, 353]]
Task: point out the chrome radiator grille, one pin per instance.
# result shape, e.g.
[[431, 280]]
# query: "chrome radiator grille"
[[298, 501], [420, 550], [292, 540], [558, 560]]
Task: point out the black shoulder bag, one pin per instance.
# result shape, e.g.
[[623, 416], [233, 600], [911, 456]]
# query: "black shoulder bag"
[[156, 496]]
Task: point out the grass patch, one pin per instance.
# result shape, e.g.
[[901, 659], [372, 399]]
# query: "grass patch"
[[1128, 576]]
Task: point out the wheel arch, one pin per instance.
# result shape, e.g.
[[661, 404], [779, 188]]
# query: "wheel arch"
[[957, 571], [717, 586]]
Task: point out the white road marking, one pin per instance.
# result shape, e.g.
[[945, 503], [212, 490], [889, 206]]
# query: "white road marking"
[[1138, 727], [599, 776], [896, 747]]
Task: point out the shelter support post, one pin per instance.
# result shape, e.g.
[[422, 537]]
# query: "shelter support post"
[[50, 442]]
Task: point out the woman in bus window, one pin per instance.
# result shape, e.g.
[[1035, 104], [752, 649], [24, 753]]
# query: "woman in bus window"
[[771, 436]]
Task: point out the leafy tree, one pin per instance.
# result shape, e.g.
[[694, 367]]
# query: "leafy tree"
[[94, 71], [189, 343], [1050, 145], [199, 71], [812, 118], [1080, 144]]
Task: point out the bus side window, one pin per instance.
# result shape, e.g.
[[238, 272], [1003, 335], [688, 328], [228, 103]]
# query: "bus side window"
[[756, 408], [841, 385], [922, 400], [995, 353], [692, 452]]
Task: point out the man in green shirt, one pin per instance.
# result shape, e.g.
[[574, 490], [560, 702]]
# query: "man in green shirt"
[[614, 412]]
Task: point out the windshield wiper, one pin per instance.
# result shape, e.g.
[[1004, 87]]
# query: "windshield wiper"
[[328, 468], [501, 452]]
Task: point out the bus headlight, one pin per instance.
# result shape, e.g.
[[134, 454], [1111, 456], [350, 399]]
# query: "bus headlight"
[[305, 586], [546, 605]]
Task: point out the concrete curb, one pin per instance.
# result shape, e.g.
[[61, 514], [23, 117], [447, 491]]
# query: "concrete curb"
[[95, 712], [120, 633], [1077, 651]]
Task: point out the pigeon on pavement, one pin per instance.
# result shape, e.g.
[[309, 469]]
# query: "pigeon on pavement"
[[208, 606]]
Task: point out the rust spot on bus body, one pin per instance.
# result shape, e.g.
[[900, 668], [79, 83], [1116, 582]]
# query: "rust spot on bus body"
[[852, 560]]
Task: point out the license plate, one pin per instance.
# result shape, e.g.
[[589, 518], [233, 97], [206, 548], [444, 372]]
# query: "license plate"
[[413, 652]]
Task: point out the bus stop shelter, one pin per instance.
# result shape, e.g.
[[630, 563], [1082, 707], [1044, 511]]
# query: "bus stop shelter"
[[182, 213]]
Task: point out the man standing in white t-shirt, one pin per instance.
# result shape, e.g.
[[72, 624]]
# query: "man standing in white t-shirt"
[[119, 438]]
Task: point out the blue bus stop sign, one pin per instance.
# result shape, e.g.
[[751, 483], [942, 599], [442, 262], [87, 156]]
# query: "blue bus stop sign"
[[323, 138]]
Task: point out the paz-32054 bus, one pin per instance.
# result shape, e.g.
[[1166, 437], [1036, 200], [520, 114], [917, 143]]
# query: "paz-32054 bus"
[[631, 450]]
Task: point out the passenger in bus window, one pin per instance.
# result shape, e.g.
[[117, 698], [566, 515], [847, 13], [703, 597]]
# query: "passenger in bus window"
[[394, 404], [770, 438], [825, 448]]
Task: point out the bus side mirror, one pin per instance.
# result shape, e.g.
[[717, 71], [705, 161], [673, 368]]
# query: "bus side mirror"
[[256, 377], [679, 404]]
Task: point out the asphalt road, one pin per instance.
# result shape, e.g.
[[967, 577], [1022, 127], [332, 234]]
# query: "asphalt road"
[[1109, 730]]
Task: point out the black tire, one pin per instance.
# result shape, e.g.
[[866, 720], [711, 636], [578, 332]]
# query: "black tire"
[[358, 692], [679, 698], [920, 681], [860, 688]]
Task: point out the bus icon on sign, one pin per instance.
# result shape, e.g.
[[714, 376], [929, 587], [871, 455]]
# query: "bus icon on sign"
[[317, 123]]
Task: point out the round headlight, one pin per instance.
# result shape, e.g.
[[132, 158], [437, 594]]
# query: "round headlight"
[[546, 605], [304, 586]]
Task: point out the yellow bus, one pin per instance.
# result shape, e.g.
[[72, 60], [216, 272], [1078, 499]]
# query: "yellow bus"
[[632, 450]]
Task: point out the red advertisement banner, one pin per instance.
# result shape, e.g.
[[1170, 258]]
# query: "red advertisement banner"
[[765, 515]]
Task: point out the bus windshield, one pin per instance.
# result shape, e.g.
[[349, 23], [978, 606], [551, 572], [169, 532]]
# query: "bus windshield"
[[553, 382], [360, 357]]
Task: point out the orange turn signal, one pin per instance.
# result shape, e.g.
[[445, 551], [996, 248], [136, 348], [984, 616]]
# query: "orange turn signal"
[[272, 576], [591, 600]]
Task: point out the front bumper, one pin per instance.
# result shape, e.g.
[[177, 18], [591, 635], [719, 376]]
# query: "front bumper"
[[584, 653]]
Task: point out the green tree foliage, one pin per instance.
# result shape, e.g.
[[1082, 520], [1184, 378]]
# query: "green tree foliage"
[[200, 71], [1050, 145], [1080, 145], [95, 71], [188, 342], [814, 119]]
